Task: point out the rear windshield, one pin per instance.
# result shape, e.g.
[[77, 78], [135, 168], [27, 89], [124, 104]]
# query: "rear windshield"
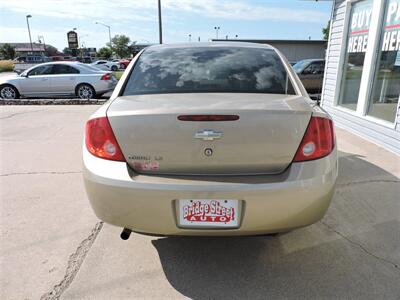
[[208, 70]]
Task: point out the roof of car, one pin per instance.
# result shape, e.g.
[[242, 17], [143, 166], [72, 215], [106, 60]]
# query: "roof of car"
[[61, 62], [211, 44], [313, 59]]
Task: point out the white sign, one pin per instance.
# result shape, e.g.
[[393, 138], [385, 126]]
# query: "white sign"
[[208, 213]]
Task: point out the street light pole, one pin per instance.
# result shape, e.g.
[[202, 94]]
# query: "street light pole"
[[29, 31], [109, 35], [109, 30], [159, 21]]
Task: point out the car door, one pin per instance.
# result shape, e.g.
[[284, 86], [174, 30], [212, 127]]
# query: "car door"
[[37, 81], [312, 76], [64, 79]]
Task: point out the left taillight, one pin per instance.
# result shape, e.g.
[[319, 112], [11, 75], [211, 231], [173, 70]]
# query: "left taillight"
[[106, 76], [100, 140]]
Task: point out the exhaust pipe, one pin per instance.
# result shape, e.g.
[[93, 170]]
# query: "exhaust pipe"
[[125, 234]]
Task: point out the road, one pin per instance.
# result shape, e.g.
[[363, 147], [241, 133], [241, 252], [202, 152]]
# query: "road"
[[52, 245]]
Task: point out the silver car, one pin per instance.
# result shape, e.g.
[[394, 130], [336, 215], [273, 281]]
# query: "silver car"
[[58, 79], [210, 139]]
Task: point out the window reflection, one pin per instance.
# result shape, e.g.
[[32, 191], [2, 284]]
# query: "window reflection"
[[386, 87], [208, 69], [357, 40]]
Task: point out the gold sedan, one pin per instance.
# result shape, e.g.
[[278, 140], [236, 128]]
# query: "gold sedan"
[[210, 139]]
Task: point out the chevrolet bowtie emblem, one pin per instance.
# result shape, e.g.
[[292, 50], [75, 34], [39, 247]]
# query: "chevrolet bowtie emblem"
[[208, 135]]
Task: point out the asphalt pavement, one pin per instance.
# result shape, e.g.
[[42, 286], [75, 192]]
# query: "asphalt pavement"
[[52, 245]]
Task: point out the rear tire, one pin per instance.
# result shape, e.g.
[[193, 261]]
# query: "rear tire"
[[122, 66], [85, 91], [8, 92], [114, 68]]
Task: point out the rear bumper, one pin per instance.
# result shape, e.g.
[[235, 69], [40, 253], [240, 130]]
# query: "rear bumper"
[[298, 197], [105, 87]]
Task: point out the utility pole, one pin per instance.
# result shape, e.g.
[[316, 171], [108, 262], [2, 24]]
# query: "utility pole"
[[159, 21], [29, 30]]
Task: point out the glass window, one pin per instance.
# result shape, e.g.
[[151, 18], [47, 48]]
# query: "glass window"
[[357, 40], [208, 70], [64, 69], [299, 66], [315, 68], [42, 70], [386, 87]]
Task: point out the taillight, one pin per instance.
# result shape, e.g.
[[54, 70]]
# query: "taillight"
[[208, 118], [318, 141], [100, 140], [106, 76]]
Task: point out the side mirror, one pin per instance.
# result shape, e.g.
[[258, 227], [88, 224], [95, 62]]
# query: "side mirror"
[[23, 74]]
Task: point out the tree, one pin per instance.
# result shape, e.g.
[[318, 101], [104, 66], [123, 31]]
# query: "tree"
[[7, 51], [67, 51], [325, 31], [50, 50], [104, 52], [120, 45]]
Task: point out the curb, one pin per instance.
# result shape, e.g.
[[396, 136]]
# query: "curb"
[[53, 102]]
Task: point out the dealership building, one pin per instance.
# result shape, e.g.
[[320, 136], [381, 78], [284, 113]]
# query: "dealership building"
[[294, 50], [362, 75]]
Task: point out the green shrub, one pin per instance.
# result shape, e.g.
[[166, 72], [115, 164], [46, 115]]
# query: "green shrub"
[[118, 74]]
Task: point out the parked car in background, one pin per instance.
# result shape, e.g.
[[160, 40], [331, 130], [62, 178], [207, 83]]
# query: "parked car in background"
[[123, 63], [86, 59], [311, 74], [58, 79], [224, 142], [106, 65]]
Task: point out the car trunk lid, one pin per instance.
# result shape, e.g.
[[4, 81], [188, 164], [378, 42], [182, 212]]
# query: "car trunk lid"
[[262, 140]]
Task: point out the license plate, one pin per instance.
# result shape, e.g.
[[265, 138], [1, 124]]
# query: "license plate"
[[208, 213]]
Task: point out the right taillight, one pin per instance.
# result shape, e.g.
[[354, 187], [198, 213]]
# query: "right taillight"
[[106, 76], [318, 141], [100, 140]]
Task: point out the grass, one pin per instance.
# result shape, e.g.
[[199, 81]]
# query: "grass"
[[6, 66], [118, 74]]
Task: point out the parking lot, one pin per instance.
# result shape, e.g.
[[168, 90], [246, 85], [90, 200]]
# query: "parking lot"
[[52, 245]]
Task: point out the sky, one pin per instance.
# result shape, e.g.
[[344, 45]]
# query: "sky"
[[138, 19]]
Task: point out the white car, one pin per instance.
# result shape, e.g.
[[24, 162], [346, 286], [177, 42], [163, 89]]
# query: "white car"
[[106, 65]]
